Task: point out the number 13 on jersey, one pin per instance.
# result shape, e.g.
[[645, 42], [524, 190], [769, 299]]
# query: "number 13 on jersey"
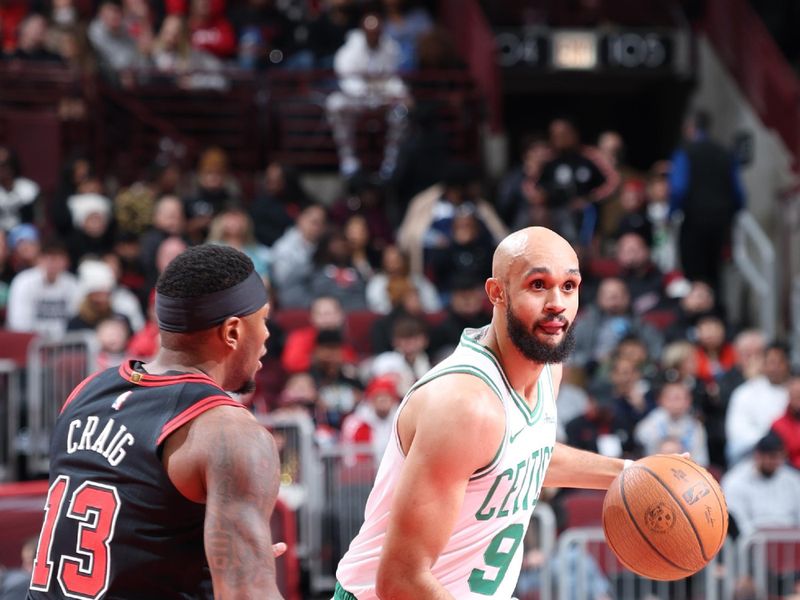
[[96, 507]]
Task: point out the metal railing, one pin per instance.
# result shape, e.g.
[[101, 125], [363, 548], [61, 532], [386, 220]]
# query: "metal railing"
[[586, 568], [54, 368], [10, 395], [754, 256], [770, 559], [536, 577]]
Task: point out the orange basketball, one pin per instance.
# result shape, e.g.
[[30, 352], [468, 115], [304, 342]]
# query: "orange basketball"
[[665, 517]]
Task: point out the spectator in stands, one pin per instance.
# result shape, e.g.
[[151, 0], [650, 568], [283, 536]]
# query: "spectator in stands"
[[633, 207], [673, 418], [169, 219], [371, 421], [408, 360], [699, 301], [325, 314], [25, 247], [574, 181], [98, 274], [74, 50], [11, 15], [363, 252], [300, 397], [113, 335], [215, 188], [705, 188], [335, 273], [367, 67], [465, 310], [339, 387], [405, 23], [469, 250], [787, 427], [520, 201], [749, 347], [640, 274], [137, 19], [168, 250], [600, 327], [14, 583], [367, 198], [572, 399], [762, 492], [192, 67], [116, 50], [143, 344], [42, 299], [664, 245], [233, 227], [96, 286], [277, 204], [405, 301], [757, 403], [631, 400], [210, 29], [327, 33], [31, 45], [715, 356], [293, 255], [428, 222], [266, 30], [593, 429], [395, 273], [18, 195], [93, 228], [75, 173]]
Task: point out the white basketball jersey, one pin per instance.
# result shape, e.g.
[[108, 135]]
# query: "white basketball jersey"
[[483, 557]]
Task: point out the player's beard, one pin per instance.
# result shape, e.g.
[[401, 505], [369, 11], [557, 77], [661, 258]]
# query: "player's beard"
[[247, 387], [529, 345]]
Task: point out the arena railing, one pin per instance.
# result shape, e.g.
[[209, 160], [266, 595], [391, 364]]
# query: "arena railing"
[[770, 559], [10, 400], [754, 256], [54, 368], [583, 553]]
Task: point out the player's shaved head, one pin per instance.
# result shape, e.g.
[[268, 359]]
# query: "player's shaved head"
[[533, 247]]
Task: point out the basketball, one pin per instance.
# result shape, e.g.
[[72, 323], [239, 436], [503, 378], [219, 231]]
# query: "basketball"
[[665, 517]]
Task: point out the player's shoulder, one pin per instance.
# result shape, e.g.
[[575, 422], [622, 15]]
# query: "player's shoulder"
[[461, 397]]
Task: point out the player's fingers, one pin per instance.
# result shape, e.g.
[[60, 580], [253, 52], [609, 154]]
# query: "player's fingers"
[[278, 549]]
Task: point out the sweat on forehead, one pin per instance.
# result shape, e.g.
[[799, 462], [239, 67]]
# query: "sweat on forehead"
[[538, 245]]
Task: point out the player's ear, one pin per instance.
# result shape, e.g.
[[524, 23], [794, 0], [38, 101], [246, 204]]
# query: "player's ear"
[[231, 331], [494, 290]]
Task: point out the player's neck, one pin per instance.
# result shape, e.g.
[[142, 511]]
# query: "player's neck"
[[184, 362], [522, 373]]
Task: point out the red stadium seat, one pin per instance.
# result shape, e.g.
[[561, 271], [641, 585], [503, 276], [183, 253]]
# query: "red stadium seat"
[[359, 325], [290, 319], [661, 319], [583, 508], [14, 346]]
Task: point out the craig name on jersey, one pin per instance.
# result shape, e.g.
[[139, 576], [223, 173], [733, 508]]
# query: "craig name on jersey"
[[110, 440]]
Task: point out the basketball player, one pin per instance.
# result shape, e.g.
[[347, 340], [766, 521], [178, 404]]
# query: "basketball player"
[[161, 483], [474, 442]]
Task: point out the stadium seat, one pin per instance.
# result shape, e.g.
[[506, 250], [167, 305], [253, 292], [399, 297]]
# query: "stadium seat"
[[290, 319], [582, 508]]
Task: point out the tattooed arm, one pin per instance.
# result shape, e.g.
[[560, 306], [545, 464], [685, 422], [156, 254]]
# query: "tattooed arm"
[[227, 460]]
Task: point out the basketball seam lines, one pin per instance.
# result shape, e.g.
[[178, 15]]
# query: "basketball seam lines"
[[639, 529], [683, 510]]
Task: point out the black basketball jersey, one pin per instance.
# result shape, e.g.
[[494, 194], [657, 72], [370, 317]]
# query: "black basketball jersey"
[[115, 527]]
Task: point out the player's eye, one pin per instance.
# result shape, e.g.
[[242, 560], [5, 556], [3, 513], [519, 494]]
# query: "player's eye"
[[538, 284], [570, 286]]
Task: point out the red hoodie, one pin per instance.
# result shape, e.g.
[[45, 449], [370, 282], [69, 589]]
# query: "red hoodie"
[[788, 428]]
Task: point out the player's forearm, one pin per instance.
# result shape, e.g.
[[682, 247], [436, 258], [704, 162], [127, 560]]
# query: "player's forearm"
[[575, 468], [240, 555]]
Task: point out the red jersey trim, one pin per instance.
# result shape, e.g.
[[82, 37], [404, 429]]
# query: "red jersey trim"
[[194, 411], [149, 380], [78, 389]]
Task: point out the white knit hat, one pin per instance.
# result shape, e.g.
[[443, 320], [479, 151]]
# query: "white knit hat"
[[83, 205], [95, 276]]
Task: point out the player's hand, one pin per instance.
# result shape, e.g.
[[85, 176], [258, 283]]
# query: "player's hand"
[[278, 549]]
